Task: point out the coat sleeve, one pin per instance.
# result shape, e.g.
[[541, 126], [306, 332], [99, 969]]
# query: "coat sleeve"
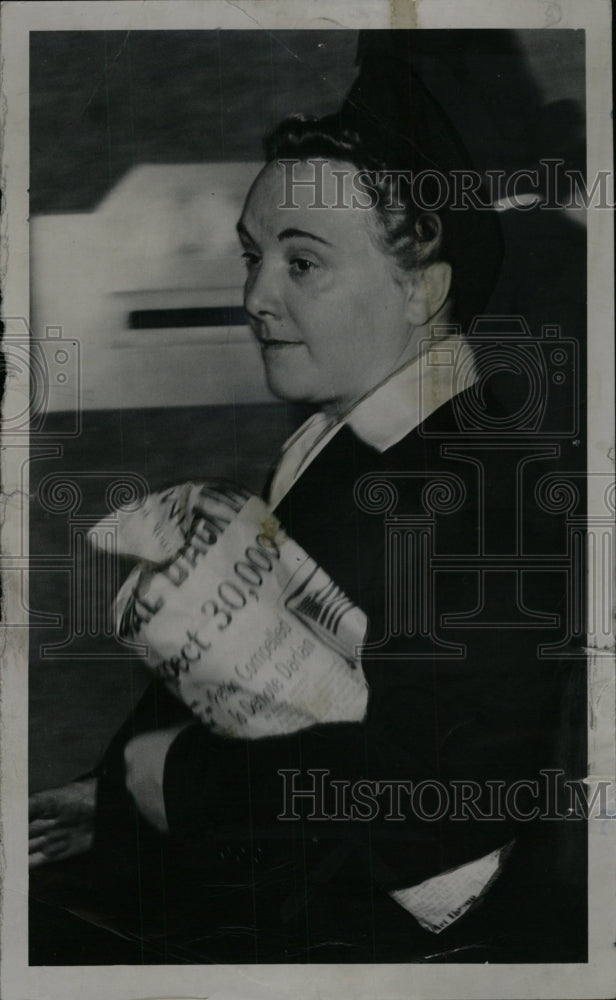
[[444, 768], [410, 790]]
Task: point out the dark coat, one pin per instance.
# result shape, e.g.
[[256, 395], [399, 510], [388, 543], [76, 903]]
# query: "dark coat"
[[447, 543]]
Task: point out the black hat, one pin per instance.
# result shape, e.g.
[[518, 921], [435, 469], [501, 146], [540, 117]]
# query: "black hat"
[[389, 101]]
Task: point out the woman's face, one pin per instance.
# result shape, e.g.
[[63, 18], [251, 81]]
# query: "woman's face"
[[322, 298]]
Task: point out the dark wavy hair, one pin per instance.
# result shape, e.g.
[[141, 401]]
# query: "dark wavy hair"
[[413, 236]]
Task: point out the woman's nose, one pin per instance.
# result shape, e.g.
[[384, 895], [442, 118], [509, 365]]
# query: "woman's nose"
[[261, 292]]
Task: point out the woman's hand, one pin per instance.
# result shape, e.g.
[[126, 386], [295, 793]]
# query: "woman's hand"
[[144, 757], [61, 822]]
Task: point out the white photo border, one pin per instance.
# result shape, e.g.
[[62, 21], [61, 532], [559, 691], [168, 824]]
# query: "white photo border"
[[362, 982]]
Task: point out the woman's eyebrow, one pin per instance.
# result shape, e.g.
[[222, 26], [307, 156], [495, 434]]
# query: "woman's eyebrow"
[[288, 234], [285, 234]]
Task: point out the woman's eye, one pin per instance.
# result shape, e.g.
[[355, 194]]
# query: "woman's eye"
[[301, 265], [250, 258]]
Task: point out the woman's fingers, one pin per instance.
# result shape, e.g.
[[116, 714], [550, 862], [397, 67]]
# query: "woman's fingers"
[[51, 836], [72, 803], [36, 860], [37, 826], [48, 845], [45, 804], [60, 845], [61, 822]]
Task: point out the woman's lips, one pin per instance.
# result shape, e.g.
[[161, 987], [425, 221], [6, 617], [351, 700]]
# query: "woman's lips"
[[277, 344]]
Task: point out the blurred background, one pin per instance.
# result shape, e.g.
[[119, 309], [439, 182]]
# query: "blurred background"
[[143, 145]]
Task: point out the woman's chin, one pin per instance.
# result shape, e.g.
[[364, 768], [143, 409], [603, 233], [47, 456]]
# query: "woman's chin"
[[291, 389]]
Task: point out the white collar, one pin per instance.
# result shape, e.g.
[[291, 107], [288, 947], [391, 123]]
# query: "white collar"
[[403, 401], [387, 413]]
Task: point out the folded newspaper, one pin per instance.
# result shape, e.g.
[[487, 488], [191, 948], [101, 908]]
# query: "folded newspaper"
[[252, 635], [239, 621]]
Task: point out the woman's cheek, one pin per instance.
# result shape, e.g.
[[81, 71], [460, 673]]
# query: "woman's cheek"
[[318, 283]]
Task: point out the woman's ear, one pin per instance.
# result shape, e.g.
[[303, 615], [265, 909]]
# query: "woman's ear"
[[428, 290]]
